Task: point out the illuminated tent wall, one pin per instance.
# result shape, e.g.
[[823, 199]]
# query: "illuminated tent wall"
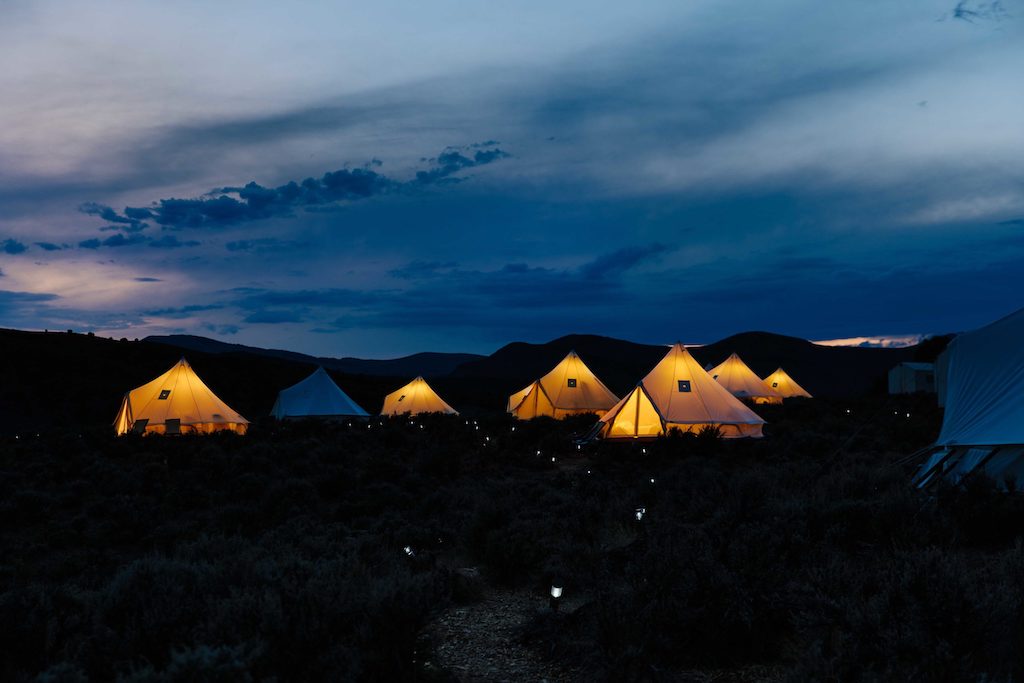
[[741, 382], [414, 398], [315, 396], [678, 393], [569, 389], [176, 402], [983, 424], [785, 386]]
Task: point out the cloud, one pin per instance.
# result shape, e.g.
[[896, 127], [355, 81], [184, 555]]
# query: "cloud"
[[171, 242], [273, 317], [49, 246], [130, 221], [451, 161], [972, 12], [222, 329], [13, 246], [228, 206], [417, 270], [24, 309], [118, 240], [148, 279], [624, 259], [264, 244], [135, 239], [182, 312], [441, 294]]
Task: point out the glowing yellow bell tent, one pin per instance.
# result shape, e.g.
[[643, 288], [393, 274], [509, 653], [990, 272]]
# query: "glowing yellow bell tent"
[[785, 385], [740, 380], [678, 394], [414, 398], [176, 402], [315, 396], [569, 389]]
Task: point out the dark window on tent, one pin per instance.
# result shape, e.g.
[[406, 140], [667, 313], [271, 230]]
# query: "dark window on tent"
[[401, 398], [684, 386], [172, 426], [774, 384], [164, 394], [714, 376], [572, 383]]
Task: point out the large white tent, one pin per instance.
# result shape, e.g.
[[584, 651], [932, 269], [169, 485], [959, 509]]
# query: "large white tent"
[[315, 396], [176, 402], [983, 424], [569, 389], [678, 394]]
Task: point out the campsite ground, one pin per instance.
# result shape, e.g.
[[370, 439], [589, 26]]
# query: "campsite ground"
[[283, 554]]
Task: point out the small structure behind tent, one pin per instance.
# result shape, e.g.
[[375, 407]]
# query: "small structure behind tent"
[[911, 378]]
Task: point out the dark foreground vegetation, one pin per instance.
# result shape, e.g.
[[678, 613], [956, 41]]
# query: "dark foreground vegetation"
[[282, 555]]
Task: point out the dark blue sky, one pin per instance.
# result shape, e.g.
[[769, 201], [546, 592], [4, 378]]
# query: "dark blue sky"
[[376, 181]]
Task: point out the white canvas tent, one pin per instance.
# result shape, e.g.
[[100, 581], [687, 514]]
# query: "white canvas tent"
[[785, 385], [740, 380], [315, 396], [678, 394], [176, 402], [569, 389], [414, 398], [983, 424]]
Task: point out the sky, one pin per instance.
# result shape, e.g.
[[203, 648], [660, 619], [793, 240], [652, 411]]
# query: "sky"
[[378, 179]]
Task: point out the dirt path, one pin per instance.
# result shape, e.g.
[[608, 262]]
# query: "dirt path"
[[480, 642]]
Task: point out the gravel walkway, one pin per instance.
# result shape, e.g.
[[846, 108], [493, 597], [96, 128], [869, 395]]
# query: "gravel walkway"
[[479, 642]]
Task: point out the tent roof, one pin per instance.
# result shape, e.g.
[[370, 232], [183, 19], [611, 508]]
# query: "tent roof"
[[785, 385], [317, 395], [587, 393], [176, 394], [415, 397], [740, 380], [684, 393], [985, 385]]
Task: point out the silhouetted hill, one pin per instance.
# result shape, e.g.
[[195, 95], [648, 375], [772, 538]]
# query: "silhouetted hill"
[[822, 370], [839, 371], [73, 382], [427, 364]]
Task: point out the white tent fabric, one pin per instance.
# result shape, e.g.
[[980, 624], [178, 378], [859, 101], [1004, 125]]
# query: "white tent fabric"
[[742, 382], [414, 398], [679, 394], [569, 389], [985, 386], [176, 402], [315, 396]]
